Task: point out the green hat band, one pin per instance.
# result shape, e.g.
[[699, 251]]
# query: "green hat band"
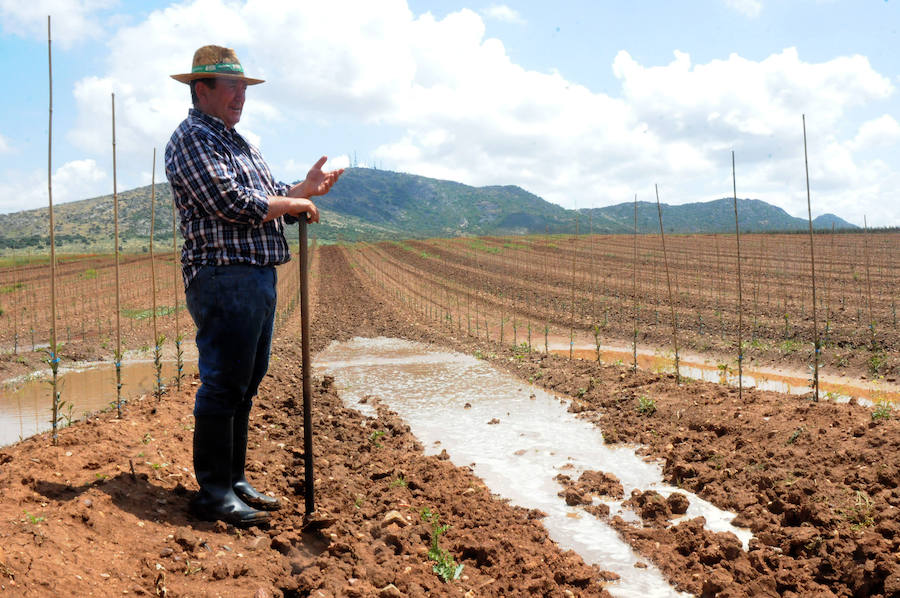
[[222, 67]]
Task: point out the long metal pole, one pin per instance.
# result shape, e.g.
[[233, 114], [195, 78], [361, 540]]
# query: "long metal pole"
[[308, 473]]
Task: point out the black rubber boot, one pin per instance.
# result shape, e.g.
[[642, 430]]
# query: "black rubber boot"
[[244, 490], [216, 501]]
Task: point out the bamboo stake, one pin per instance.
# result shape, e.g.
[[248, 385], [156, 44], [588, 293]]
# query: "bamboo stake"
[[572, 325], [868, 283], [662, 236], [157, 339], [116, 241], [812, 257], [178, 338], [737, 234], [634, 288], [591, 274], [54, 357], [828, 289]]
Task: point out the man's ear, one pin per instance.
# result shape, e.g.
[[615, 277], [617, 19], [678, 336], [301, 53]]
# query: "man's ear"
[[202, 90]]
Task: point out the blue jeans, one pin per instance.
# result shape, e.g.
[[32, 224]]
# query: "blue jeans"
[[233, 308]]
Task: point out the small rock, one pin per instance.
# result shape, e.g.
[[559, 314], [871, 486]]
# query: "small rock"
[[261, 593], [259, 543], [467, 406], [390, 591], [220, 571], [600, 511], [394, 517], [493, 422], [678, 503], [444, 456], [574, 497], [166, 552], [185, 539], [640, 565]]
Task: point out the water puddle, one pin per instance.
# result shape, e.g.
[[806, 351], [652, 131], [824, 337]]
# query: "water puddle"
[[518, 456], [88, 388], [763, 379]]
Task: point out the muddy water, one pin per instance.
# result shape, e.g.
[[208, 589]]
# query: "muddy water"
[[841, 390], [531, 440], [88, 388]]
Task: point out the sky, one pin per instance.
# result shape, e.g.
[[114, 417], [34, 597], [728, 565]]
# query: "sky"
[[584, 103]]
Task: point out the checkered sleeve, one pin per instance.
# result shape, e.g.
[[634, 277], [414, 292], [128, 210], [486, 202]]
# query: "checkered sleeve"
[[283, 189]]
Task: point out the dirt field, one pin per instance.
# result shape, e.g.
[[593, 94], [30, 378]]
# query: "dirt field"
[[104, 513], [589, 287]]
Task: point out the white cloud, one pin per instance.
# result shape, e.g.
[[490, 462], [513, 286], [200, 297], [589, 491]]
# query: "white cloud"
[[466, 111], [78, 179], [748, 8], [71, 20], [502, 12], [881, 132], [4, 145]]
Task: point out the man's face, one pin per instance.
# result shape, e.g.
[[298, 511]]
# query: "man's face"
[[225, 100]]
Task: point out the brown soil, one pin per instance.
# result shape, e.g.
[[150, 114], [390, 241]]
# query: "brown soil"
[[104, 513], [532, 279]]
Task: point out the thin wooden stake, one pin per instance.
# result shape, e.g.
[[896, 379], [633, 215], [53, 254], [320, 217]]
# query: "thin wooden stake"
[[868, 283], [572, 325], [116, 241], [54, 357], [740, 310], [662, 236], [178, 353], [634, 288], [157, 340], [812, 256]]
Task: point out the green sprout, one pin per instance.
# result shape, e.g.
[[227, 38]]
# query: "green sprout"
[[646, 405], [444, 564]]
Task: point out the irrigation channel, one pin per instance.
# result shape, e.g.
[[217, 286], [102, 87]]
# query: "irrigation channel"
[[86, 388], [517, 438], [838, 388]]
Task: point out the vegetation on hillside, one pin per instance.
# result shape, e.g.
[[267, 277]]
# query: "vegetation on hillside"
[[373, 205]]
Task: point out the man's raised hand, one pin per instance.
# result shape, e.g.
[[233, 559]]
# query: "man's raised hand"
[[317, 182]]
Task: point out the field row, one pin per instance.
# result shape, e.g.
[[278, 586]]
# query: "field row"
[[617, 288], [86, 302]]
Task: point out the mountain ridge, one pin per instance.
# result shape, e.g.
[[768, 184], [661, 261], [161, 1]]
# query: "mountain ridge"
[[371, 205]]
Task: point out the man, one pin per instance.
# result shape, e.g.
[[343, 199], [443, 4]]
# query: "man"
[[233, 215]]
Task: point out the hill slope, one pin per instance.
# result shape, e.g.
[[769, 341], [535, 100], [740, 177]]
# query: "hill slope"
[[369, 204]]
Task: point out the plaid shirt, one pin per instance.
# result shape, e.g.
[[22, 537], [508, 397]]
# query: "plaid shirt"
[[221, 186]]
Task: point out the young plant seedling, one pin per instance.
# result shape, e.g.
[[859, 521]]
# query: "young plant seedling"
[[882, 410], [646, 405], [444, 563], [374, 436]]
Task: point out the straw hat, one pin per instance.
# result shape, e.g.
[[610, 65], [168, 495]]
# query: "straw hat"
[[216, 61]]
